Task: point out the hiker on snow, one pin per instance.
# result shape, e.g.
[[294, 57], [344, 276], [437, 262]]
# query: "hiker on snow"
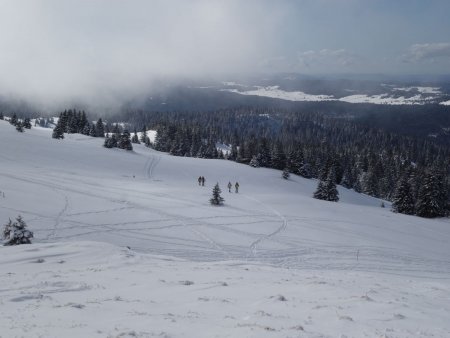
[[199, 180], [203, 180], [229, 186], [236, 186]]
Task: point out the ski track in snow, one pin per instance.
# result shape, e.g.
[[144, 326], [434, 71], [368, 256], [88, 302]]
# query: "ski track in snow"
[[60, 215], [151, 165], [283, 227]]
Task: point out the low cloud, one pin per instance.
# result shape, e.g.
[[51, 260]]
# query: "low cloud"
[[427, 52], [329, 59], [104, 51]]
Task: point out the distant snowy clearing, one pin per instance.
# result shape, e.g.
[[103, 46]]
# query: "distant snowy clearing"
[[424, 95]]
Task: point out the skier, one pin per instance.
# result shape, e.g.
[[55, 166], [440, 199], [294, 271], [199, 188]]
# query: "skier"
[[236, 186], [203, 180], [229, 186], [199, 180]]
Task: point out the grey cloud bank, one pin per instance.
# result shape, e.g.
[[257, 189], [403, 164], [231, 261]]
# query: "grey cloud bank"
[[102, 51]]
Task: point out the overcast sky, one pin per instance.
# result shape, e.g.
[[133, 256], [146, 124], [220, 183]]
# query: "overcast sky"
[[52, 47]]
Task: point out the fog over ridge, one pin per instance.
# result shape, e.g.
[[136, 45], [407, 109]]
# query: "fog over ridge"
[[102, 52]]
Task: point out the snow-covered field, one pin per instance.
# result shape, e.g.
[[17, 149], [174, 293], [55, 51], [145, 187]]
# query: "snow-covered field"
[[271, 262], [276, 93], [424, 95]]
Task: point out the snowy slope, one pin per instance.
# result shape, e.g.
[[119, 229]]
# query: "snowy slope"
[[75, 190]]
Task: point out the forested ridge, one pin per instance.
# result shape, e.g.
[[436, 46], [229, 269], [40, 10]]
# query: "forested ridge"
[[412, 172], [363, 158]]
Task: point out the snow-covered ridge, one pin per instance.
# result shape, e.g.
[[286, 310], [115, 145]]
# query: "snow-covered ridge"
[[425, 95], [276, 93], [386, 99], [422, 90]]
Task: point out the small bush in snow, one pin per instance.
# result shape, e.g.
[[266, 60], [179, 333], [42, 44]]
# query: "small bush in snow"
[[285, 174], [15, 233], [281, 298]]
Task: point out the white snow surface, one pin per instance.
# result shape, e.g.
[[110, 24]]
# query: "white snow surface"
[[270, 262], [276, 93], [423, 90], [388, 99], [446, 103]]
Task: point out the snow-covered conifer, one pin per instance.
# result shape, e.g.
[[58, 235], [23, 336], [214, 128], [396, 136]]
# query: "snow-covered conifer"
[[403, 201], [100, 128], [254, 162], [15, 233], [432, 197], [19, 127], [216, 199], [27, 123]]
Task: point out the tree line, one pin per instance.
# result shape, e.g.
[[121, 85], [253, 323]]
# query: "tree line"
[[413, 173], [315, 145]]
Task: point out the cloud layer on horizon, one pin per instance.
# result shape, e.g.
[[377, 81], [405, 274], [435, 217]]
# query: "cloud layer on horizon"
[[102, 51]]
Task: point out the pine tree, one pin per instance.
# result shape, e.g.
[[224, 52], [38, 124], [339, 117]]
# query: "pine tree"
[[330, 187], [403, 201], [144, 136], [19, 127], [234, 153], [72, 123], [86, 130], [326, 190], [135, 138], [13, 119], [58, 131], [15, 233], [264, 153], [27, 123], [278, 158], [93, 131], [124, 141], [216, 198], [110, 142], [254, 162], [432, 197], [305, 170], [82, 121], [100, 128], [1, 116], [320, 192]]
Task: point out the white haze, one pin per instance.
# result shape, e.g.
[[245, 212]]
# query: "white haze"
[[57, 52]]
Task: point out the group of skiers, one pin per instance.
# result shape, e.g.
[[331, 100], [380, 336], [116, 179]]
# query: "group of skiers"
[[201, 182], [236, 187]]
